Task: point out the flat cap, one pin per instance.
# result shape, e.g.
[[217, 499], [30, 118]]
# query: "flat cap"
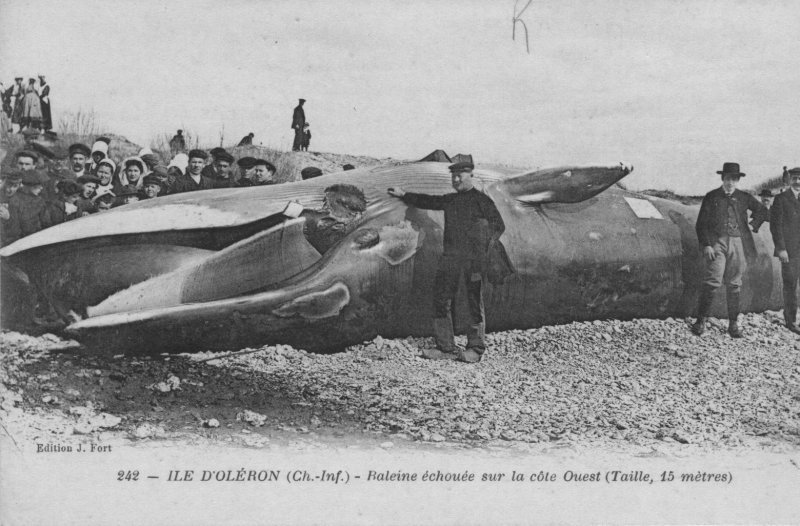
[[68, 187], [14, 176], [151, 179], [34, 177], [199, 154], [88, 179], [310, 172], [128, 189], [27, 153], [224, 156], [246, 162], [160, 171], [302, 100], [216, 151], [264, 162], [795, 170], [80, 148], [765, 193], [461, 167]]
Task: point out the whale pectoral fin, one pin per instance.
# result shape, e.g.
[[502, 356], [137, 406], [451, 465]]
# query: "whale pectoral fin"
[[571, 184]]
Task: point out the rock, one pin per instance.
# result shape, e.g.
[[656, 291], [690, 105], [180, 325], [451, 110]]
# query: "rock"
[[251, 417], [681, 437], [436, 437], [387, 445], [211, 422], [147, 430]]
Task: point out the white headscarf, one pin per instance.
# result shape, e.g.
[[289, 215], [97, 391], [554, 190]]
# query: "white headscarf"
[[181, 160], [123, 176]]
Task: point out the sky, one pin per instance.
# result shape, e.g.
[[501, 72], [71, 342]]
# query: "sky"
[[673, 87]]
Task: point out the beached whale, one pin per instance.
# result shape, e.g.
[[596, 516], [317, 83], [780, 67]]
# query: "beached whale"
[[335, 260]]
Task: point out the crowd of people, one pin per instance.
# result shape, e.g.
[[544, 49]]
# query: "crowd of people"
[[27, 105], [32, 198]]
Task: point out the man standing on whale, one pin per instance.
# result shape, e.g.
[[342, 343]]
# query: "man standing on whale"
[[725, 242], [471, 224]]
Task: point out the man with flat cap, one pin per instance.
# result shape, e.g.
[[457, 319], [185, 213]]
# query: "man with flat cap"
[[27, 207], [725, 243], [26, 160], [263, 173], [471, 224], [223, 170], [246, 171], [79, 154], [298, 121], [193, 179], [785, 227], [85, 202], [8, 189]]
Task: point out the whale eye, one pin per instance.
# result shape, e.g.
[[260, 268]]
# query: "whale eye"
[[366, 238]]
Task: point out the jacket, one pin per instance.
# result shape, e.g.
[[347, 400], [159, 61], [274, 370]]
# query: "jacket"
[[785, 223], [713, 218]]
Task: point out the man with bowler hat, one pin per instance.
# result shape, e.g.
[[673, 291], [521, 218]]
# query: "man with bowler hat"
[[298, 121], [725, 242], [785, 227], [471, 224]]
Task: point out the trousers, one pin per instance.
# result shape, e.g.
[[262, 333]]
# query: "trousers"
[[728, 266], [790, 273], [449, 276]]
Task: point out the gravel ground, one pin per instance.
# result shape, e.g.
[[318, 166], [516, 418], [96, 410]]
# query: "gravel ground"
[[638, 382]]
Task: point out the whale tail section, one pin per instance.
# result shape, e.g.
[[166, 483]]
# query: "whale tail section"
[[571, 184]]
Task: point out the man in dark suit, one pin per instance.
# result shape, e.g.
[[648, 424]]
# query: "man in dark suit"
[[298, 120], [472, 224], [725, 242], [193, 179], [785, 227]]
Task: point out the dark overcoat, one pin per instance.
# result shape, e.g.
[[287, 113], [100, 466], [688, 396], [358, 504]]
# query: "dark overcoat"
[[713, 218], [785, 223]]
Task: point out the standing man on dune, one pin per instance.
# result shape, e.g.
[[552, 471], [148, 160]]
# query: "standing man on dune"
[[298, 121], [785, 227]]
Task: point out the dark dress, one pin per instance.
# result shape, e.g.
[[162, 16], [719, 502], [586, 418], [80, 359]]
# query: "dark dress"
[[44, 97]]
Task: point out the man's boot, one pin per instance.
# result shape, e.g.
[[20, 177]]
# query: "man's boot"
[[703, 308], [733, 315], [445, 340]]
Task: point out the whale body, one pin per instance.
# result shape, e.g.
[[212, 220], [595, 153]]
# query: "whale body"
[[224, 269]]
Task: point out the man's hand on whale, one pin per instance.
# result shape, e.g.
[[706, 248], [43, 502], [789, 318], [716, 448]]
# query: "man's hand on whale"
[[396, 192]]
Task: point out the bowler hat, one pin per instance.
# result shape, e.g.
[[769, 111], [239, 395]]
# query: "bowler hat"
[[464, 167], [730, 169]]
